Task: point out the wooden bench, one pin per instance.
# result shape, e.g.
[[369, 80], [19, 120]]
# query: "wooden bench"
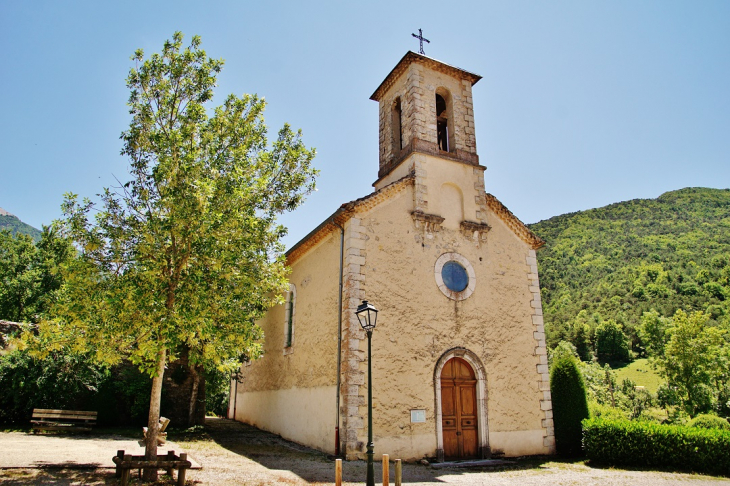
[[46, 419], [126, 462]]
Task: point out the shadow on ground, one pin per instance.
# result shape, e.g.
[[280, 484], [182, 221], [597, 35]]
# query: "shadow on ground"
[[60, 477], [276, 453]]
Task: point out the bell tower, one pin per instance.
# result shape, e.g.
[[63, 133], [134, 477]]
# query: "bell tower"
[[425, 106], [426, 128]]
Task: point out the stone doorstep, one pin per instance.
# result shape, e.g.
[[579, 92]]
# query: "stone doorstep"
[[480, 463]]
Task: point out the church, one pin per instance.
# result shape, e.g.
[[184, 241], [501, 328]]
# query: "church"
[[459, 361]]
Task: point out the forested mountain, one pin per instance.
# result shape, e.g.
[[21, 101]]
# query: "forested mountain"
[[621, 260], [15, 225]]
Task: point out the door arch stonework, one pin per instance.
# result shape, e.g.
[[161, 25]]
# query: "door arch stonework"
[[481, 400]]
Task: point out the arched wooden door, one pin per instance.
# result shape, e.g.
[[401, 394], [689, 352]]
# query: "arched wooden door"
[[459, 410]]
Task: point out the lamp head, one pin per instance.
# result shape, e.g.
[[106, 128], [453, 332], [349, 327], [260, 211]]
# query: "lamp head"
[[367, 314]]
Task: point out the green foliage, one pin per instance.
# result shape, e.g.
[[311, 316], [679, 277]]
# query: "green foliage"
[[608, 399], [626, 259], [611, 344], [570, 406], [606, 412], [706, 421], [120, 394], [187, 255], [30, 273], [16, 226], [644, 444], [600, 383], [652, 332], [635, 400], [217, 391], [564, 349], [695, 361], [56, 381]]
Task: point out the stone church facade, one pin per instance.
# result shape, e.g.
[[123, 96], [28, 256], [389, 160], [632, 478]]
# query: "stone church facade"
[[458, 355]]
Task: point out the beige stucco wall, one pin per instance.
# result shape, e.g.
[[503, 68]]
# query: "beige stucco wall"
[[303, 415], [417, 323], [389, 260], [279, 386]]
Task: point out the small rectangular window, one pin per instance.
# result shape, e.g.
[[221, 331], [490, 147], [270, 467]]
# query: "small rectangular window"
[[289, 316]]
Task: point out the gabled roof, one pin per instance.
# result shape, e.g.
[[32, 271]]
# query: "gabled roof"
[[345, 212], [434, 64], [349, 209], [513, 222]]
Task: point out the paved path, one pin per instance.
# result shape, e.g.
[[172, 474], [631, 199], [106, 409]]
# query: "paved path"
[[26, 450]]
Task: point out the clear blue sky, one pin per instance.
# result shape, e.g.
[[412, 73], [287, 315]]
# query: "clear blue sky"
[[582, 103]]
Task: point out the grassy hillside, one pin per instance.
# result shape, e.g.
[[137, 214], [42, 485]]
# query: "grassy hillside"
[[12, 223], [621, 260]]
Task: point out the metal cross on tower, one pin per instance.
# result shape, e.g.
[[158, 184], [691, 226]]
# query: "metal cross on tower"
[[421, 38]]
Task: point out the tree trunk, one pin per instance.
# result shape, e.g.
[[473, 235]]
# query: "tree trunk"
[[153, 421], [193, 395]]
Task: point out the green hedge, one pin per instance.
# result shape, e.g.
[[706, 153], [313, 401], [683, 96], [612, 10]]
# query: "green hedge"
[[632, 443]]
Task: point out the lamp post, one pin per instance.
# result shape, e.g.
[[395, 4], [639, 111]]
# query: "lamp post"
[[368, 315]]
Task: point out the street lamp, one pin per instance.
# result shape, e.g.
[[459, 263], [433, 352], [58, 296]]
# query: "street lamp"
[[368, 315]]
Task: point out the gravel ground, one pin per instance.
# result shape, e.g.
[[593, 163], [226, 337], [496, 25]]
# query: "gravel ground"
[[236, 454]]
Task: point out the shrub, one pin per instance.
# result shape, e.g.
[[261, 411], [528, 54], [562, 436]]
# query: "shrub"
[[709, 422], [606, 412], [73, 382], [217, 390], [570, 406], [645, 444], [58, 381]]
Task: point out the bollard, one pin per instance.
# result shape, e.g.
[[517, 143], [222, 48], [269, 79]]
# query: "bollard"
[[181, 471], [398, 472], [386, 472], [338, 472]]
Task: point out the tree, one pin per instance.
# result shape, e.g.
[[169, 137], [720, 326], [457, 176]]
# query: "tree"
[[653, 332], [582, 340], [570, 405], [18, 276], [695, 362], [562, 350], [30, 273], [611, 342], [186, 255]]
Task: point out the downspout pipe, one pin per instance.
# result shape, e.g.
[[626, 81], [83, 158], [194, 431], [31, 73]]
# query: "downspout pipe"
[[339, 336]]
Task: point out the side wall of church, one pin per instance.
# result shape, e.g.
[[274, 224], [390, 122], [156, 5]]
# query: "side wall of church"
[[291, 391], [418, 324]]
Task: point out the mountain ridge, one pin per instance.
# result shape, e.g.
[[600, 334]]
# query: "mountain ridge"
[[9, 221], [626, 258]]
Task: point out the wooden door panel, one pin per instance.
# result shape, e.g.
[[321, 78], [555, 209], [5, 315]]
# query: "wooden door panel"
[[470, 443], [459, 410], [448, 401], [468, 399], [449, 420]]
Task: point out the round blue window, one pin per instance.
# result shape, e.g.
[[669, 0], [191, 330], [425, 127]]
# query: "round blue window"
[[455, 277]]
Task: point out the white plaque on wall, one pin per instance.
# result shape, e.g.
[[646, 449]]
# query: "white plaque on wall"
[[418, 416]]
